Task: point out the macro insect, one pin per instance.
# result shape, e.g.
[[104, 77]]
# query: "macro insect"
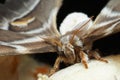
[[32, 29]]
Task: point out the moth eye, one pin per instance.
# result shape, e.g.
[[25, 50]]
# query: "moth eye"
[[69, 45]]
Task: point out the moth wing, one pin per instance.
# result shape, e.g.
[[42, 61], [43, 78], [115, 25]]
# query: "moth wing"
[[24, 23], [106, 23], [12, 9]]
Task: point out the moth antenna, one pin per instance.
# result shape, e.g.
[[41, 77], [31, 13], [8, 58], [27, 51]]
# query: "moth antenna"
[[78, 30]]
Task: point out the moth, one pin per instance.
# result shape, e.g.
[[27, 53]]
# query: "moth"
[[29, 27]]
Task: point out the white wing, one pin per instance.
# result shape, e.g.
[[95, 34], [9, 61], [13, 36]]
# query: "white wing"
[[74, 21]]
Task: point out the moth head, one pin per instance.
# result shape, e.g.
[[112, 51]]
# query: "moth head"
[[68, 48], [67, 51]]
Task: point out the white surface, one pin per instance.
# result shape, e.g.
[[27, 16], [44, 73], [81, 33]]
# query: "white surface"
[[97, 71]]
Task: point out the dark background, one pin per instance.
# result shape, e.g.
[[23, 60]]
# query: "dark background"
[[2, 1], [108, 45], [90, 7]]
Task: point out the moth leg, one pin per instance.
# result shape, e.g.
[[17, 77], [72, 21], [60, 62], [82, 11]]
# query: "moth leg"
[[96, 55], [56, 66], [84, 58]]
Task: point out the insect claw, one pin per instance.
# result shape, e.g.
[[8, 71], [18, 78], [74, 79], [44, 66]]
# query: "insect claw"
[[96, 55], [101, 59], [84, 59], [56, 66], [85, 63], [52, 71]]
